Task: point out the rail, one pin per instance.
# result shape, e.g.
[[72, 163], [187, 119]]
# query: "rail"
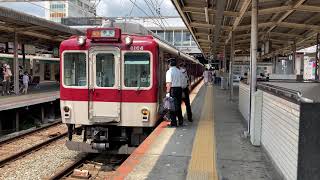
[[285, 92], [31, 149], [28, 132]]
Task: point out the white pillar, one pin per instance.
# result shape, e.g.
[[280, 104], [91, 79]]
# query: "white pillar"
[[231, 65], [16, 65], [253, 60]]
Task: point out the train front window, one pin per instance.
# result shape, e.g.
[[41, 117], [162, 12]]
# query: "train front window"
[[105, 70], [74, 69], [137, 70]]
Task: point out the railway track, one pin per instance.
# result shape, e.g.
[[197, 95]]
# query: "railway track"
[[90, 166], [21, 145]]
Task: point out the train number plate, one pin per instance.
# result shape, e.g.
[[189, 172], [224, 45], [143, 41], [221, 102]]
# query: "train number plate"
[[136, 48]]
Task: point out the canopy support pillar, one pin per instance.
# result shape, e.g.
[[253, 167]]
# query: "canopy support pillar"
[[253, 59]]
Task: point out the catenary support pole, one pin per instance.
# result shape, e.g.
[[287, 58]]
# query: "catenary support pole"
[[253, 60], [16, 64], [23, 56]]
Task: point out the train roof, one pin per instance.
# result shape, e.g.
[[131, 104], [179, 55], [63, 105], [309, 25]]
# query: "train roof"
[[138, 29]]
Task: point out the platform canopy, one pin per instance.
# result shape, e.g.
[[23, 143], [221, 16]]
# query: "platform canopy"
[[32, 29], [281, 23]]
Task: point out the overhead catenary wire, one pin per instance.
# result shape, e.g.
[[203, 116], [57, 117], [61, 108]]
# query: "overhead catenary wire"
[[132, 8], [145, 13], [157, 9], [160, 21]]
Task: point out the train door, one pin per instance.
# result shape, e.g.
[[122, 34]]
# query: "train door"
[[104, 85]]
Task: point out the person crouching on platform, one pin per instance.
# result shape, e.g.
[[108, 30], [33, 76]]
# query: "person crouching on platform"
[[25, 80], [173, 85], [185, 90]]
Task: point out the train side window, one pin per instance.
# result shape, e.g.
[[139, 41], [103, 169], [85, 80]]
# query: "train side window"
[[105, 70], [74, 69], [137, 69]]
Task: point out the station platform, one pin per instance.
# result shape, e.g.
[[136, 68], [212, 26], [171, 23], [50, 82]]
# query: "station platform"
[[211, 147], [44, 92]]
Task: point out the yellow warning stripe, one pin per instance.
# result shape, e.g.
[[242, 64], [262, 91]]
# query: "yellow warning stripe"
[[202, 165]]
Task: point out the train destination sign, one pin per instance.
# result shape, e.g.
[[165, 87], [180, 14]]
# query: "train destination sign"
[[104, 34]]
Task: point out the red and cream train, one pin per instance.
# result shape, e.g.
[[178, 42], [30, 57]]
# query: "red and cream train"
[[112, 84]]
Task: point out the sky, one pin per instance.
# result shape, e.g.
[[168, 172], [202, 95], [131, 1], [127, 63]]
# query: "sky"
[[107, 8]]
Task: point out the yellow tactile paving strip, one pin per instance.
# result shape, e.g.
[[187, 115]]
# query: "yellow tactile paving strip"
[[202, 165]]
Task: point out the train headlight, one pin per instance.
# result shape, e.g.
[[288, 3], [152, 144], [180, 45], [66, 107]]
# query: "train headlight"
[[67, 112], [144, 111], [128, 40], [66, 109], [81, 40], [145, 114]]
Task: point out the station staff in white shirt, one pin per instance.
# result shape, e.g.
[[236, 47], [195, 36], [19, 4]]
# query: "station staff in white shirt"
[[173, 84], [185, 90]]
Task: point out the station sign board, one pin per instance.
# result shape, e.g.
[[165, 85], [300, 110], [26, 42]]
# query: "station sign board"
[[29, 49], [55, 52]]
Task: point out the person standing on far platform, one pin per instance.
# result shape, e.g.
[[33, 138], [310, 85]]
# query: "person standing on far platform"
[[6, 79], [25, 80], [3, 81], [173, 85], [207, 76], [185, 90]]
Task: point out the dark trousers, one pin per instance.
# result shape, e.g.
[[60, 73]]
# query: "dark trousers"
[[5, 87], [186, 101], [176, 93]]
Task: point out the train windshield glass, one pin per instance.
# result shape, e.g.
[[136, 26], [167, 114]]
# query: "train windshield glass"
[[74, 69], [105, 70], [137, 69]]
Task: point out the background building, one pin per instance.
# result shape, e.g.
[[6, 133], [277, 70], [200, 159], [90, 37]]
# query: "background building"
[[55, 10], [171, 29]]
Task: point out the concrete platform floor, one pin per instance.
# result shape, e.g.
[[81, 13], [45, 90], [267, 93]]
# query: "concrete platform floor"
[[45, 92], [237, 159], [187, 152]]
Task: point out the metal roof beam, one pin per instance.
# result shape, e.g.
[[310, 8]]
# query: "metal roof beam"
[[238, 19], [248, 27], [15, 16], [265, 11], [282, 24], [218, 22], [208, 26], [272, 10], [200, 10], [283, 17], [287, 47], [299, 26], [33, 34]]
